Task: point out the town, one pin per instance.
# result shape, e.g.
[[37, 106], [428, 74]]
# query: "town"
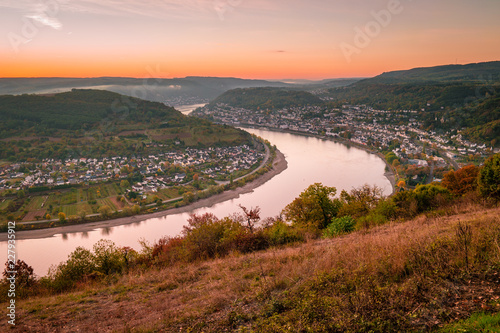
[[155, 171], [385, 131]]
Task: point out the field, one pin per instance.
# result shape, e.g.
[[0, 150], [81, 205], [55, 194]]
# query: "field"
[[5, 203], [72, 202], [32, 215], [106, 202]]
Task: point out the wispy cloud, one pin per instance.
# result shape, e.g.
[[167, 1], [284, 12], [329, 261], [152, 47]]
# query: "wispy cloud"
[[42, 12], [150, 8], [42, 18]]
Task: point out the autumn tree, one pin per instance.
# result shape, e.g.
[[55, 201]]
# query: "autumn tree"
[[105, 210], [62, 216], [252, 216], [401, 185], [315, 206], [461, 181]]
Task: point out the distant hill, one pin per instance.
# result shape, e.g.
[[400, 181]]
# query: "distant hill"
[[177, 91], [266, 98], [95, 123]]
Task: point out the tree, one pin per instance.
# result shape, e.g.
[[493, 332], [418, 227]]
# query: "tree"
[[402, 185], [62, 216], [315, 206], [489, 177], [48, 217], [105, 210], [391, 157], [252, 216], [136, 209], [359, 201], [125, 183], [24, 276], [21, 194], [461, 181]]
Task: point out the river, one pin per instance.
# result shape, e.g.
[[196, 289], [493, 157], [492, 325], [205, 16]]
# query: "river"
[[310, 160]]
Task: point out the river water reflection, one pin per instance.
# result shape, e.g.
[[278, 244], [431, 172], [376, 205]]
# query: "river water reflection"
[[310, 160]]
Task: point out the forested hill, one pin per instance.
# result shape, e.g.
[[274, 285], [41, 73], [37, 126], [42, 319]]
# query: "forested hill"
[[97, 123], [77, 110], [447, 97], [266, 98], [476, 72]]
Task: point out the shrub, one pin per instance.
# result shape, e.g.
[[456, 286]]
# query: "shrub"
[[169, 250], [107, 257], [370, 220], [431, 196], [281, 233], [406, 203], [207, 237], [489, 177], [80, 264], [339, 226]]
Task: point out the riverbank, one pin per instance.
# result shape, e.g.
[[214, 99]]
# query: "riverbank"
[[279, 165]]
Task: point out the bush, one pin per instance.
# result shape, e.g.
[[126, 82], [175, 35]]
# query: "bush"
[[406, 203], [370, 220], [431, 196], [83, 264], [207, 237], [169, 250], [80, 264], [489, 177], [339, 226], [281, 233]]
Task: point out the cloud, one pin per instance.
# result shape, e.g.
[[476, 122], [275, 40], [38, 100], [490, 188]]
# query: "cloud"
[[42, 18], [148, 8]]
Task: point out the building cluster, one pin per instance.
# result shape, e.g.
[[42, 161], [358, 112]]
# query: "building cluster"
[[158, 170], [360, 124]]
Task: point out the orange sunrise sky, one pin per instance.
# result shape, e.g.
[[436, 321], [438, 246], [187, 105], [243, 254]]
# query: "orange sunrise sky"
[[266, 39]]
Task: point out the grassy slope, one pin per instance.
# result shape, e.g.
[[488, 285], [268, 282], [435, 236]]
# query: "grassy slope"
[[404, 276]]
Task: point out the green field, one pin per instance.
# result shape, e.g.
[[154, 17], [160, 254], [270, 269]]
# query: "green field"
[[106, 202], [5, 203], [70, 209], [35, 203]]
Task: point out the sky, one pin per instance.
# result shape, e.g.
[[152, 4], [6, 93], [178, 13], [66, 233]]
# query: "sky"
[[261, 39]]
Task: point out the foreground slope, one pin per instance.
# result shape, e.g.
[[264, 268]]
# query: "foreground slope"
[[415, 275]]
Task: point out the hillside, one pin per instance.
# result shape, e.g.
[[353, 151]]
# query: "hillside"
[[399, 277], [475, 72], [96, 123], [453, 97], [266, 98]]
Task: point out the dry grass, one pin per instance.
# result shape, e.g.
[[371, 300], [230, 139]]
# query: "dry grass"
[[400, 276]]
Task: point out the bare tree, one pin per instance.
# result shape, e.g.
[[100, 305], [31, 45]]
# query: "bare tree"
[[252, 216]]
